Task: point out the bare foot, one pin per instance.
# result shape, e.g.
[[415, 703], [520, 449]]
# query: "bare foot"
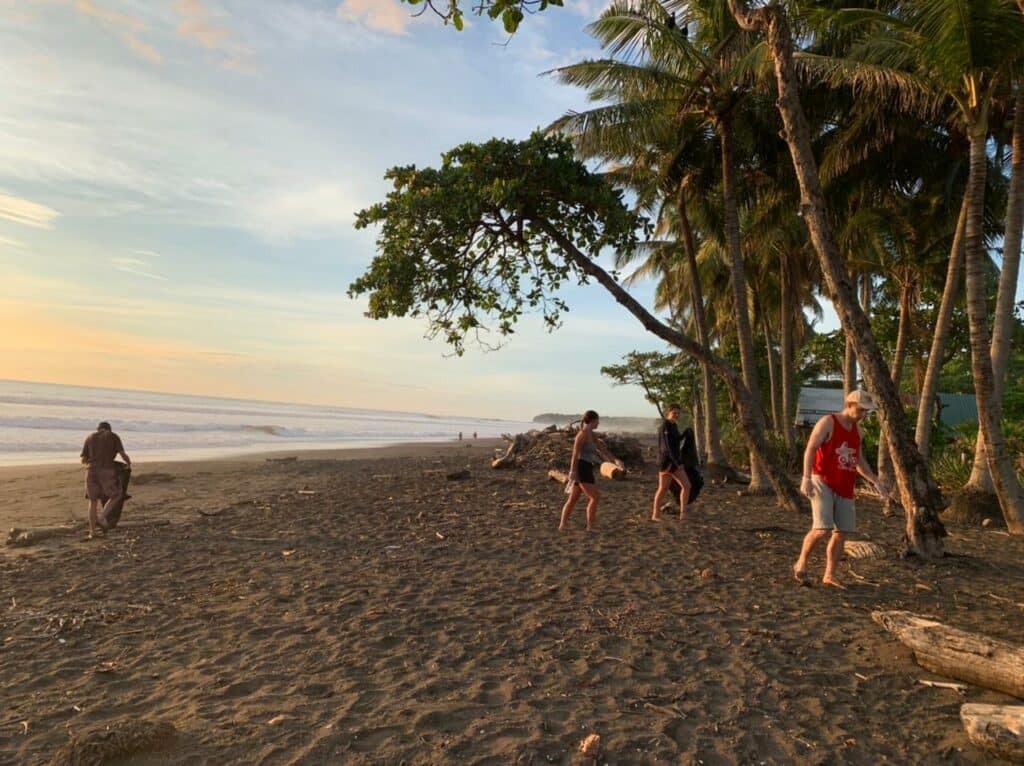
[[802, 577], [655, 517], [833, 583], [682, 517], [589, 528], [562, 528]]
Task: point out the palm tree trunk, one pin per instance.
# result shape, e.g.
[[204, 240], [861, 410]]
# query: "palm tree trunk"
[[1002, 331], [1004, 478], [849, 361], [759, 483], [698, 418], [885, 469], [921, 498], [787, 362], [717, 465], [944, 320], [773, 376]]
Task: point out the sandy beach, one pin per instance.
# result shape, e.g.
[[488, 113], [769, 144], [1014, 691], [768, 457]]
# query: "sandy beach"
[[359, 607]]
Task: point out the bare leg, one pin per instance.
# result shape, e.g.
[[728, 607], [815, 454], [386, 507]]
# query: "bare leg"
[[684, 491], [593, 495], [832, 555], [570, 503], [664, 481], [811, 539], [93, 521]]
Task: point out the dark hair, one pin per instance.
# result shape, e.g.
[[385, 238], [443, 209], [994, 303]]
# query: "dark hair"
[[589, 416], [104, 426], [673, 406]]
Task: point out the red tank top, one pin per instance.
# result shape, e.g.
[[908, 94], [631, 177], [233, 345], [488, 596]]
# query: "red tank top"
[[836, 460]]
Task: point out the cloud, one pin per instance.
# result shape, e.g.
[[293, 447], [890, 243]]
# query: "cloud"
[[307, 209], [136, 266], [26, 212], [380, 15], [7, 242], [199, 25], [129, 28], [588, 9]]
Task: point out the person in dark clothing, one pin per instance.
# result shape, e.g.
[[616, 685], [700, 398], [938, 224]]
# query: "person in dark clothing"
[[670, 464], [101, 479]]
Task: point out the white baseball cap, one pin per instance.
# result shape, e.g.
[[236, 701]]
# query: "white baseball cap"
[[860, 398]]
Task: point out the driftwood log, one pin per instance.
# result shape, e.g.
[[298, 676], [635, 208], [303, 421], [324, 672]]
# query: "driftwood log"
[[508, 460], [976, 659], [611, 471], [22, 537], [999, 729], [561, 477]]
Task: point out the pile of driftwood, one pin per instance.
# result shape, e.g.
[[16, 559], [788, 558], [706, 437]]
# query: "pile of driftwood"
[[552, 448]]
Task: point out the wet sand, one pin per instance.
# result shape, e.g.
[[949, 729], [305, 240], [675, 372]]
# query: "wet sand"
[[360, 607]]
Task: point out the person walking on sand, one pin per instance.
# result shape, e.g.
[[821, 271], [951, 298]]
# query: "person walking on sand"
[[832, 460], [101, 480], [587, 452], [670, 464]]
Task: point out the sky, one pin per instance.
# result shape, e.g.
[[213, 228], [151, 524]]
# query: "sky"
[[178, 183]]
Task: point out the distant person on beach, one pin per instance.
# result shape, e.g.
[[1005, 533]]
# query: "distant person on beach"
[[586, 453], [670, 463], [474, 434], [832, 460], [101, 479], [460, 435]]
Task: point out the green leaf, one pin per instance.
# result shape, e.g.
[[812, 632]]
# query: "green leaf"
[[457, 20], [510, 18]]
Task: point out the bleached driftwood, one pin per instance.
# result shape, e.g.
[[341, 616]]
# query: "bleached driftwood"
[[862, 549], [611, 471], [970, 657], [998, 729], [21, 537], [555, 475]]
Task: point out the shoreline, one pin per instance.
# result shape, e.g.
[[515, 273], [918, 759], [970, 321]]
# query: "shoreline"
[[53, 493]]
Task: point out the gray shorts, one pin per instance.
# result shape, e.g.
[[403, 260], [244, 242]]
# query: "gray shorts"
[[829, 511]]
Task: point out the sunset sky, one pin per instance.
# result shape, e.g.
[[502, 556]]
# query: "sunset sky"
[[177, 186]]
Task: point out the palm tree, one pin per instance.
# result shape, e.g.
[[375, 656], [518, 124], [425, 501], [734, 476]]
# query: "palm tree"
[[707, 77], [920, 495]]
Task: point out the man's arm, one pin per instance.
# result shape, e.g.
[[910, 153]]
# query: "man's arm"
[[821, 433], [121, 452], [865, 470], [603, 452]]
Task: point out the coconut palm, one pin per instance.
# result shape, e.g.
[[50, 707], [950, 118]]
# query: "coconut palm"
[[661, 69]]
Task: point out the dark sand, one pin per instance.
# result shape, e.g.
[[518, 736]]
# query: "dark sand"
[[392, 616]]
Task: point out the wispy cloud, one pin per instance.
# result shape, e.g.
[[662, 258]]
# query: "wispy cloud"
[[128, 27], [26, 212], [7, 242], [588, 9], [136, 266], [379, 15], [200, 24]]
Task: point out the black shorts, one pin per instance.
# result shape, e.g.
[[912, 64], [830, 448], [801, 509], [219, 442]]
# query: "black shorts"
[[584, 472]]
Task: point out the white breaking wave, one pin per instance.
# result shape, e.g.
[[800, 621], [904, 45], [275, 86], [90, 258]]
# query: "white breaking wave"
[[42, 422]]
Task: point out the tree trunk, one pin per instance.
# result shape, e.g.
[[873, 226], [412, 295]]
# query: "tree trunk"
[[921, 498], [698, 420], [885, 469], [1002, 331], [999, 729], [976, 659], [747, 407], [773, 376], [759, 482], [786, 362], [716, 460], [1004, 478], [849, 357], [930, 387]]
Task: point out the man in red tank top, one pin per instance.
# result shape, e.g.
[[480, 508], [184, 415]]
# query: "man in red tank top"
[[832, 460]]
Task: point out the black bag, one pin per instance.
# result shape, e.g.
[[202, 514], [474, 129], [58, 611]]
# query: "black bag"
[[113, 514]]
